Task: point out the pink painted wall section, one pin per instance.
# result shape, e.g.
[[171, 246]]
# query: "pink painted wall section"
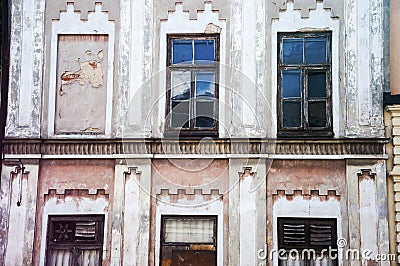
[[189, 174], [306, 175], [394, 48], [76, 174]]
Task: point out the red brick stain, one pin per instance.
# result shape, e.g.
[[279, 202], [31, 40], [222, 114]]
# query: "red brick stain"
[[93, 64], [69, 76]]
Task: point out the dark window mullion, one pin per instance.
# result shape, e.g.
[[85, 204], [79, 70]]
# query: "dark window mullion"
[[192, 98], [304, 101]]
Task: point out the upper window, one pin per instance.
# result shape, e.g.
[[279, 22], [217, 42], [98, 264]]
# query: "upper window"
[[192, 84], [75, 240], [307, 241], [304, 84], [192, 239]]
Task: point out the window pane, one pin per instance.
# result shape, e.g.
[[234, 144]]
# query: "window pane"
[[205, 86], [189, 230], [203, 51], [88, 257], [180, 85], [204, 114], [317, 114], [180, 114], [292, 51], [60, 257], [182, 51], [316, 50], [291, 83], [291, 114], [316, 84]]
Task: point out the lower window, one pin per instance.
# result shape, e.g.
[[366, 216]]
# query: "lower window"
[[75, 240], [307, 241], [188, 240]]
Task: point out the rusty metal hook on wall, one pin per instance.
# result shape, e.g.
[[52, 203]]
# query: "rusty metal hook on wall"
[[20, 179]]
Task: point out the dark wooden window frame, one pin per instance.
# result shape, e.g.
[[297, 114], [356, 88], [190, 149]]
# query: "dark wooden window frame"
[[75, 245], [192, 131], [307, 245], [305, 130], [186, 244]]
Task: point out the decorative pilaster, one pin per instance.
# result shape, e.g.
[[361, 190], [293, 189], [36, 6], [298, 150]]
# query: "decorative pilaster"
[[247, 215], [395, 115], [26, 69]]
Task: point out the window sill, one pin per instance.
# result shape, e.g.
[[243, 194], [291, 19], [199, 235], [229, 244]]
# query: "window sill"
[[189, 133], [306, 134]]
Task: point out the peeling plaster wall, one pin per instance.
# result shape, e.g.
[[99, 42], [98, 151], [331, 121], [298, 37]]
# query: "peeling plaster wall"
[[364, 70], [81, 84]]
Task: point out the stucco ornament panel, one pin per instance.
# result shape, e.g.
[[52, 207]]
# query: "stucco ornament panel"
[[84, 7], [81, 73], [276, 6], [192, 7]]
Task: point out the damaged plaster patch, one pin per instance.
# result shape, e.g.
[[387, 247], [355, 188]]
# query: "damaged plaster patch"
[[90, 71], [212, 28]]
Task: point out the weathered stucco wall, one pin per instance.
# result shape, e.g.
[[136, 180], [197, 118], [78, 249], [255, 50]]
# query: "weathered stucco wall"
[[248, 92]]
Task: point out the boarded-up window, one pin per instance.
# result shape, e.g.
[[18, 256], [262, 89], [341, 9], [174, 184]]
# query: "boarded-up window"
[[188, 240], [308, 241], [75, 240]]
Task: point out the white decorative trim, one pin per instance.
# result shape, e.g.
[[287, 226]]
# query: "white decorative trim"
[[72, 206], [215, 207], [70, 23], [179, 22], [319, 19], [303, 208]]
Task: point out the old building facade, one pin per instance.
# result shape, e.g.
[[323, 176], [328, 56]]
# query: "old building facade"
[[195, 133]]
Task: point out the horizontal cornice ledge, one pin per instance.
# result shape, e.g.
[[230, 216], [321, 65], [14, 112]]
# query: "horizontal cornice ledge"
[[223, 147]]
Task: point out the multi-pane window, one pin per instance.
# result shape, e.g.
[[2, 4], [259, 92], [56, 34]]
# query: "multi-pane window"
[[304, 84], [307, 241], [75, 240], [192, 84], [192, 239]]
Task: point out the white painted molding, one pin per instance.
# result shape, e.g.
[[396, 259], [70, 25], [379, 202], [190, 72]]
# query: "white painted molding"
[[291, 21], [70, 23], [180, 22]]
